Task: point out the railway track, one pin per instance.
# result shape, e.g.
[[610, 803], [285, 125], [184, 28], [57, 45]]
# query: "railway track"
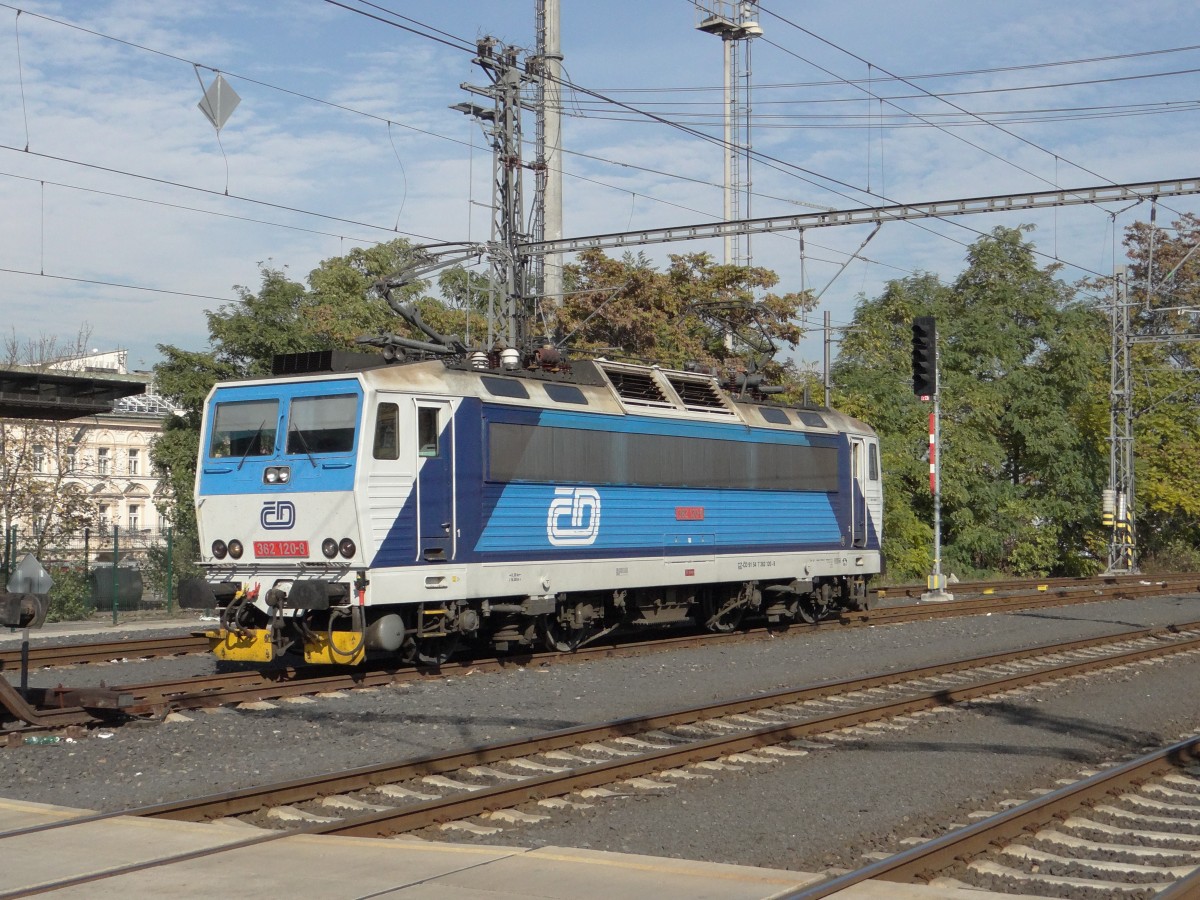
[[103, 651], [649, 753], [1026, 584], [155, 699], [1131, 831], [515, 783], [1024, 594]]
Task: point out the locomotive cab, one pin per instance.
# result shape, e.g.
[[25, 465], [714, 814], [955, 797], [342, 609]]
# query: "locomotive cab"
[[279, 533]]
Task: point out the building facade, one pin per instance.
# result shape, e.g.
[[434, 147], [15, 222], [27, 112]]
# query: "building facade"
[[104, 456]]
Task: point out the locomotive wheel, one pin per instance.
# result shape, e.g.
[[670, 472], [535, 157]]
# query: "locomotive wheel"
[[726, 619], [563, 638], [436, 651], [806, 610]]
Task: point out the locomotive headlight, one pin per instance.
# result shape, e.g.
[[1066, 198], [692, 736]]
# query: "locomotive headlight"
[[347, 548], [277, 475], [219, 549], [235, 549], [329, 547]]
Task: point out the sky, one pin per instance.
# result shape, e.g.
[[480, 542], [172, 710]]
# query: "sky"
[[127, 216]]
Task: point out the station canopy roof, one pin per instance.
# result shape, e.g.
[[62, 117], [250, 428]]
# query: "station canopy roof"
[[37, 394]]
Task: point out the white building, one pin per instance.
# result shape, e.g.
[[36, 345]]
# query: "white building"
[[108, 454]]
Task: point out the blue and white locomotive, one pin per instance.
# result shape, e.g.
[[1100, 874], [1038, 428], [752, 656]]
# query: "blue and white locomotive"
[[350, 506]]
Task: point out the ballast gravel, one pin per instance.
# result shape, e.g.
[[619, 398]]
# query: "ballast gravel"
[[824, 810]]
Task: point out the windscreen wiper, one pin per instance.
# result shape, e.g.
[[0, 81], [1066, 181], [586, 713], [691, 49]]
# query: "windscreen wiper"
[[251, 443], [303, 444]]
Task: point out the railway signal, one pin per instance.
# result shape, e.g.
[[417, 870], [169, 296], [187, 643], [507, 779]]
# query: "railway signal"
[[925, 386], [924, 356]]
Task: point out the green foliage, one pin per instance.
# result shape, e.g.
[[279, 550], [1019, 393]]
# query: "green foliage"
[[1022, 388], [158, 567], [71, 596], [1172, 556], [1164, 285], [284, 316]]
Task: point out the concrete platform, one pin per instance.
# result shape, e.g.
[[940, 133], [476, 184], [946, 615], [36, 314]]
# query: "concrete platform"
[[126, 858]]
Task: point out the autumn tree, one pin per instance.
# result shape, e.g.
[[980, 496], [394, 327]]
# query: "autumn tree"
[[696, 311]]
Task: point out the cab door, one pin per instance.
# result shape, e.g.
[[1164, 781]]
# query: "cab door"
[[873, 495], [436, 531], [391, 473], [858, 493]]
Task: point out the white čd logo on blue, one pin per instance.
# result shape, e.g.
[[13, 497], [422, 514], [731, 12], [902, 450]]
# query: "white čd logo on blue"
[[278, 515], [573, 519]]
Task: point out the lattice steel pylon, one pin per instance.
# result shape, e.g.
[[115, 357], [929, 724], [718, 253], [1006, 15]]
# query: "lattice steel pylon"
[[502, 125], [1119, 499]]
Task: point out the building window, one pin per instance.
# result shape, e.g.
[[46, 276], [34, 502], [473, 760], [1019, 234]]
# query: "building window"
[[135, 517], [134, 462], [72, 458], [102, 461], [39, 459], [102, 516]]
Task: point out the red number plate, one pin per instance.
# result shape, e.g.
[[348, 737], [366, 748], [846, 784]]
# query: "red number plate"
[[264, 549], [689, 513]]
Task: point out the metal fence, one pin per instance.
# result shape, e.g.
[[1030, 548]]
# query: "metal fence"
[[100, 569]]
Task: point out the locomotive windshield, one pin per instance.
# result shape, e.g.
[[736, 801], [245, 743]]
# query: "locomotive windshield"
[[246, 428], [322, 424]]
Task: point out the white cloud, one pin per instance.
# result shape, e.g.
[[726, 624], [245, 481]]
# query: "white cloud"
[[96, 101]]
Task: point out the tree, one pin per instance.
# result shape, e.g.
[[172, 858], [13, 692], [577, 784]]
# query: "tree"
[[284, 316], [38, 459], [36, 490], [614, 307], [871, 379], [697, 311], [1022, 387], [45, 349]]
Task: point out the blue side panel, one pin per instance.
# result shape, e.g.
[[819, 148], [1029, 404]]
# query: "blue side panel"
[[639, 521], [320, 472], [519, 519], [513, 521]]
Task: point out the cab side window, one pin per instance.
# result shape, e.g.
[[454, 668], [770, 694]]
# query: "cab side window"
[[873, 462], [427, 431], [387, 431]]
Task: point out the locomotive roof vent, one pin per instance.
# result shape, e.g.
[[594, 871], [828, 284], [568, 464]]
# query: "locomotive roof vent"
[[650, 386], [699, 393], [637, 386]]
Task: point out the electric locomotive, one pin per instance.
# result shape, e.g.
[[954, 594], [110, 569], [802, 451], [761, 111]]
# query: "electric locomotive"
[[352, 505]]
